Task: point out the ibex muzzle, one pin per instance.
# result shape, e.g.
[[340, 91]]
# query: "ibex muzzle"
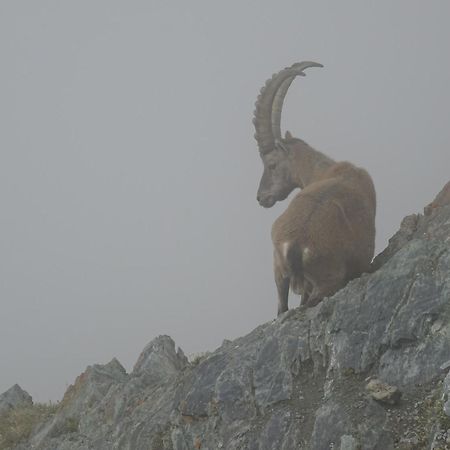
[[326, 236], [276, 182]]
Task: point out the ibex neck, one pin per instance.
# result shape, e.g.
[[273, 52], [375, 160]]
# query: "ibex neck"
[[310, 164]]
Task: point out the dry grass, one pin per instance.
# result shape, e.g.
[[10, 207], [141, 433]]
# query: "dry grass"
[[16, 425]]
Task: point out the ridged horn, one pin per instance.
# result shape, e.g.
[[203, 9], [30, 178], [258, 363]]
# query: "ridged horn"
[[269, 105]]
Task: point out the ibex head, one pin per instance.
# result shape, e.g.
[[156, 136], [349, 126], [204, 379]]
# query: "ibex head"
[[277, 181]]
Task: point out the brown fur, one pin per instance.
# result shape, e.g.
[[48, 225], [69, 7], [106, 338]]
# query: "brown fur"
[[326, 236]]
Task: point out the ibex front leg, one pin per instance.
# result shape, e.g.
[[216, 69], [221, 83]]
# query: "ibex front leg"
[[282, 281]]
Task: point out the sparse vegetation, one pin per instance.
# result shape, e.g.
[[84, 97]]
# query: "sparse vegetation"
[[16, 425], [196, 358], [70, 425], [419, 417]]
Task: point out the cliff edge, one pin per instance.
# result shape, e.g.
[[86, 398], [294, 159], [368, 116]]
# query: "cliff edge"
[[365, 369]]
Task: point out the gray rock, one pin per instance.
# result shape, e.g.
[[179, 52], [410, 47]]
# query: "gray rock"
[[274, 432], [331, 422], [348, 442], [159, 361], [446, 395], [439, 440], [297, 382], [406, 232], [14, 397], [79, 402], [442, 199]]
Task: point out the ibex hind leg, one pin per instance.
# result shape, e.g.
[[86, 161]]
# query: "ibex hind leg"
[[288, 273], [298, 284], [325, 283], [283, 292], [307, 291], [282, 278]]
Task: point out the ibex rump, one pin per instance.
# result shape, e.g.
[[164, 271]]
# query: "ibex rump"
[[326, 236]]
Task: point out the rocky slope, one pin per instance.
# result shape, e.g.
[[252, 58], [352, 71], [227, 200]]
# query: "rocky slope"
[[365, 369]]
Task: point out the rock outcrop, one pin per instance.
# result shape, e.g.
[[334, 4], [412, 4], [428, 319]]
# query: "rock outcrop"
[[298, 382], [13, 398]]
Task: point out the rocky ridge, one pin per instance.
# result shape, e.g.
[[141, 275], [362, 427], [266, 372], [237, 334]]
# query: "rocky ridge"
[[298, 382], [13, 398]]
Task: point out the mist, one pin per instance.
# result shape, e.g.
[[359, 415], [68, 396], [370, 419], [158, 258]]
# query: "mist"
[[128, 167]]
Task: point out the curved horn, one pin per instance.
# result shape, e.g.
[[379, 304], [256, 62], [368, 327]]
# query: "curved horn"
[[268, 106]]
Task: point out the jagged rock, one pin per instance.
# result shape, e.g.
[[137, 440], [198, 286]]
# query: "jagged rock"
[[158, 362], [92, 385], [14, 397], [412, 226], [408, 227], [297, 382], [442, 199], [80, 399]]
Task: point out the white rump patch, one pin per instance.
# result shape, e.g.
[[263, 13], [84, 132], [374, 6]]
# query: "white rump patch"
[[284, 249], [306, 254]]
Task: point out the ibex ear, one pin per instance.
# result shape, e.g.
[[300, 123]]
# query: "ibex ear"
[[282, 146], [288, 135]]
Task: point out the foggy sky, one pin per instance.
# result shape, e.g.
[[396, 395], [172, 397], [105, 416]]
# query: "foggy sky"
[[128, 168]]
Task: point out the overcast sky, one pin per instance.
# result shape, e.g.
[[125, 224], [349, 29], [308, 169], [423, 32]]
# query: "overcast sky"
[[128, 168]]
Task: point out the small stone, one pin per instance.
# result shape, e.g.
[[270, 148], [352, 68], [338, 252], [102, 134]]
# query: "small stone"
[[436, 327], [383, 392]]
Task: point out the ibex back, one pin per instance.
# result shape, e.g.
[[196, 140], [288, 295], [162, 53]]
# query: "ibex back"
[[326, 236]]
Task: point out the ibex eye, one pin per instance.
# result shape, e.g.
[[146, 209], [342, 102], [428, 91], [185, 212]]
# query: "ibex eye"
[[272, 166]]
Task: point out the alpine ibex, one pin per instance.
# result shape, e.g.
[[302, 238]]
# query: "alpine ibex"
[[326, 236]]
